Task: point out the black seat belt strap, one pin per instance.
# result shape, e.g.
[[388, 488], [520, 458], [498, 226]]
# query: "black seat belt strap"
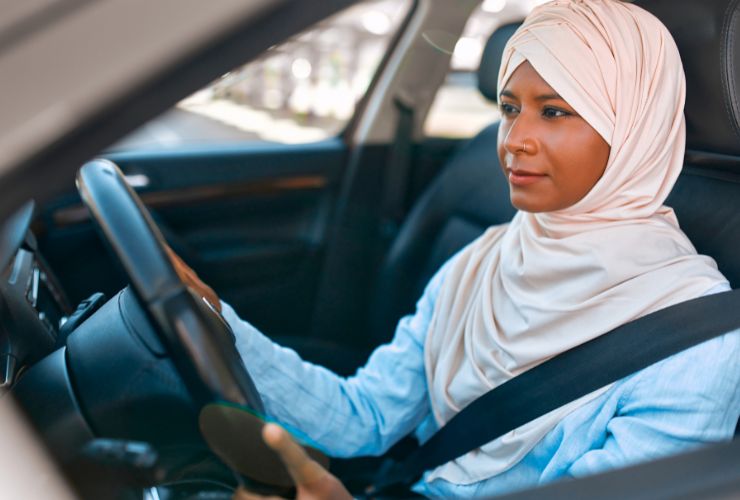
[[569, 376]]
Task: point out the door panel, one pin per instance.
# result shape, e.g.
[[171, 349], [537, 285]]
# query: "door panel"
[[251, 220]]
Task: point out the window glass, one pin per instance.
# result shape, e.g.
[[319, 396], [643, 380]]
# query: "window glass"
[[303, 90], [459, 110]]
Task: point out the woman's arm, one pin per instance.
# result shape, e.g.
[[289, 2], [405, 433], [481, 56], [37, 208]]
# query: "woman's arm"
[[687, 400], [361, 415]]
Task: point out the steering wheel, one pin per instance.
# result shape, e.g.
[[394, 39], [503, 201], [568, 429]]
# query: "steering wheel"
[[199, 341]]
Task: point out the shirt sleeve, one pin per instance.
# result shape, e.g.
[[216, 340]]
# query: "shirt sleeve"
[[361, 415], [680, 403]]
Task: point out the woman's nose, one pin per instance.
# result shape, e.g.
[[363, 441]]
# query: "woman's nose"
[[519, 137]]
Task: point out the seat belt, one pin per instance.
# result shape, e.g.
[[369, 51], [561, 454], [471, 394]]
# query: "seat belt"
[[567, 377]]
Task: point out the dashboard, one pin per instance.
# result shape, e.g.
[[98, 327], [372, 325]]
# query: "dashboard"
[[33, 307]]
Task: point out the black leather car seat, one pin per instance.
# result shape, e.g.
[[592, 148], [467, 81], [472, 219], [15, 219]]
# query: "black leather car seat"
[[470, 194], [706, 197]]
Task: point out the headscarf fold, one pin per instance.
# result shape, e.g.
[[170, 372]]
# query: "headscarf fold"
[[546, 282]]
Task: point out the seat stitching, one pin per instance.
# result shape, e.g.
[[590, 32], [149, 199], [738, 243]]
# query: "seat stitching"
[[726, 57]]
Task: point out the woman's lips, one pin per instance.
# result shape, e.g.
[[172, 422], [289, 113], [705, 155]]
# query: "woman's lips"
[[524, 178]]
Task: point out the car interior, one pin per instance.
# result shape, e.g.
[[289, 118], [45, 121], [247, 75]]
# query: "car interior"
[[322, 246]]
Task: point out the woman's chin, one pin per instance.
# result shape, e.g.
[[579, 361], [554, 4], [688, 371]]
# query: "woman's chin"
[[526, 204], [537, 202]]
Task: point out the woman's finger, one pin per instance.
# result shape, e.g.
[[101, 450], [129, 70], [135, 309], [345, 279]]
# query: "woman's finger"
[[302, 468], [190, 278]]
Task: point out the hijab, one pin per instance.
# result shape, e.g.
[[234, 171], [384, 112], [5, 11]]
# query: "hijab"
[[546, 282]]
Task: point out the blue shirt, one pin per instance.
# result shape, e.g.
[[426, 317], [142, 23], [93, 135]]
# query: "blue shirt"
[[677, 404]]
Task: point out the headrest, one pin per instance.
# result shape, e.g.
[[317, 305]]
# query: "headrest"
[[705, 33], [491, 60]]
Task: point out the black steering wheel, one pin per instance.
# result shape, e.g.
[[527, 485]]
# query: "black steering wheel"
[[200, 343]]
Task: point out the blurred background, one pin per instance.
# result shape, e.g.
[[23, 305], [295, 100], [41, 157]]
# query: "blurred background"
[[306, 89]]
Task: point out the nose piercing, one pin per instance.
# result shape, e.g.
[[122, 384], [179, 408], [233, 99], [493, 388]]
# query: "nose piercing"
[[524, 147]]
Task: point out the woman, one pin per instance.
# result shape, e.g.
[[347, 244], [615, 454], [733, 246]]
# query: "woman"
[[591, 141]]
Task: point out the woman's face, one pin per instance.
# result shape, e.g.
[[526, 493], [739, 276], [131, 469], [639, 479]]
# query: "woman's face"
[[551, 156]]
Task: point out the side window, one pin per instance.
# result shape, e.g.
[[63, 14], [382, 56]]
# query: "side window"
[[459, 110], [303, 90]]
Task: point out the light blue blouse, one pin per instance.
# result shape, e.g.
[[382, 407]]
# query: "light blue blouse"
[[677, 404]]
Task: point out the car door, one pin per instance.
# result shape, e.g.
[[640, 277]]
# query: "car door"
[[244, 176]]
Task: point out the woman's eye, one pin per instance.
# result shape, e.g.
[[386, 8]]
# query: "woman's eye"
[[508, 109], [554, 113]]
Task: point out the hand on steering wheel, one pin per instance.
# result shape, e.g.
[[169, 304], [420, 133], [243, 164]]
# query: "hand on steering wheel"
[[191, 279], [198, 340], [312, 481]]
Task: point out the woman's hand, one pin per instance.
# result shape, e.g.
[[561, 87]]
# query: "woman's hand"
[[191, 279], [312, 481]]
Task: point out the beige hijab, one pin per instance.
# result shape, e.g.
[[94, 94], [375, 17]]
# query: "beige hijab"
[[527, 291]]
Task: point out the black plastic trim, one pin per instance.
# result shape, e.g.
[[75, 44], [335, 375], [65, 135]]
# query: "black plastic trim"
[[46, 394]]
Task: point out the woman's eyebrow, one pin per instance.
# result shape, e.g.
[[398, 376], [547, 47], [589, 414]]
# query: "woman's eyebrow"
[[542, 97], [548, 97]]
